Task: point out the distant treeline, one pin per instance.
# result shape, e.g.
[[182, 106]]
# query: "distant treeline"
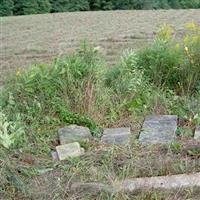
[[26, 7]]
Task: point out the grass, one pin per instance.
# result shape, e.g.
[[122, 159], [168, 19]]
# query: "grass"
[[81, 89]]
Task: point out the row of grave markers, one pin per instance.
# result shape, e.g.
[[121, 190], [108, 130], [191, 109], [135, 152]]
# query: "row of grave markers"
[[156, 130]]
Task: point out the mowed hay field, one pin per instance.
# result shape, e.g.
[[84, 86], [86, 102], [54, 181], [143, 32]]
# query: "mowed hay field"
[[26, 40]]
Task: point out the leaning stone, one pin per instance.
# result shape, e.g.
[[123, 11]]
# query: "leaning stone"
[[69, 151], [158, 129], [174, 182], [117, 136], [74, 133], [197, 134]]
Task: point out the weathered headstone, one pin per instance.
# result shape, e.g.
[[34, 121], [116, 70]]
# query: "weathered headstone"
[[74, 133], [69, 151], [117, 136], [197, 133], [158, 129]]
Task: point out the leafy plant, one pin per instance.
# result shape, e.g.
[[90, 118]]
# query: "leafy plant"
[[10, 131], [173, 65]]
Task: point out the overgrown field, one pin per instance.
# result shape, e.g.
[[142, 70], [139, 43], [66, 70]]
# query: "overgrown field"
[[33, 39], [82, 89]]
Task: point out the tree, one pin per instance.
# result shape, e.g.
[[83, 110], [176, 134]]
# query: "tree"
[[174, 4], [6, 7], [44, 6], [79, 5], [161, 4], [148, 4], [69, 5], [95, 4], [25, 7]]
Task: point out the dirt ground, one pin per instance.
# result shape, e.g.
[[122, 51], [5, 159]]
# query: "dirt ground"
[[33, 39]]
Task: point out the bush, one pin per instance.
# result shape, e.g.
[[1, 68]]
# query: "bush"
[[173, 65]]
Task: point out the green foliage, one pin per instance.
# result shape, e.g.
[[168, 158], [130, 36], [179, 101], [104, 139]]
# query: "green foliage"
[[66, 90], [24, 7], [69, 5], [173, 65], [6, 7], [10, 132], [44, 6]]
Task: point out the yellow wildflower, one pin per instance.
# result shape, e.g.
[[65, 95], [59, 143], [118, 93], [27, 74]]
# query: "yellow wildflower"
[[18, 72], [191, 26]]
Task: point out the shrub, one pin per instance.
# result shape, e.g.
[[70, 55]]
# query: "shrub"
[[173, 65]]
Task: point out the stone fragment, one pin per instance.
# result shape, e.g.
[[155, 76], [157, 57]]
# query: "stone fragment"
[[174, 182], [117, 136], [91, 188], [158, 129], [197, 134], [54, 155], [74, 133], [69, 150], [161, 183]]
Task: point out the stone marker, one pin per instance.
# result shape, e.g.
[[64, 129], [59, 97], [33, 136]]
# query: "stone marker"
[[69, 150], [74, 133], [197, 133], [158, 129], [162, 183], [118, 136]]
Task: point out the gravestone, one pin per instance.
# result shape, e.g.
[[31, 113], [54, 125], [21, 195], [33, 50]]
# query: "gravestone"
[[158, 129], [69, 151], [117, 136], [74, 133], [197, 134]]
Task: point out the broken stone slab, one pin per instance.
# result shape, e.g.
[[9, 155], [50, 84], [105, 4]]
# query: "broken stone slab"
[[174, 182], [197, 134], [74, 133], [69, 151], [91, 188], [158, 129], [117, 136]]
